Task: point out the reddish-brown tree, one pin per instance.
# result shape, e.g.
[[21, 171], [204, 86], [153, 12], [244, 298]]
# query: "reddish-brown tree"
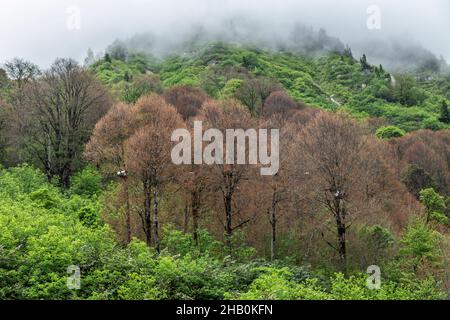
[[279, 102], [187, 100], [148, 155], [227, 178], [106, 149]]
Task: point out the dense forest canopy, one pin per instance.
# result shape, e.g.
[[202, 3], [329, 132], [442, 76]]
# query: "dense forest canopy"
[[86, 178]]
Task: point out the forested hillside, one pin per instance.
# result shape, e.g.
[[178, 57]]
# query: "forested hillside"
[[336, 81], [87, 181]]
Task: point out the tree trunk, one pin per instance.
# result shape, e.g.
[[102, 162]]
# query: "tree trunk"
[[127, 210], [195, 216], [228, 223], [341, 232], [155, 220], [186, 219], [147, 213], [273, 223]]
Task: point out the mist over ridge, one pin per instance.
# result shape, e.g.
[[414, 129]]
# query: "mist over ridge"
[[409, 30], [398, 54]]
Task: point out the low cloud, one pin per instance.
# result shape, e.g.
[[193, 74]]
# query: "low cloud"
[[40, 31]]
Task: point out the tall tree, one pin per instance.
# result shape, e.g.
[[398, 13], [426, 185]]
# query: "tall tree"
[[62, 108], [332, 147], [229, 178], [148, 156], [21, 71], [274, 192], [106, 148]]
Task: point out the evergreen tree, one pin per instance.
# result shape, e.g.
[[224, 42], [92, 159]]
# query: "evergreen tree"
[[348, 52], [445, 114], [90, 59], [364, 64], [107, 58]]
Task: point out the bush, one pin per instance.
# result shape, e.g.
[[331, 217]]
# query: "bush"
[[140, 287], [45, 197], [274, 284], [420, 246], [389, 132], [434, 205], [86, 182]]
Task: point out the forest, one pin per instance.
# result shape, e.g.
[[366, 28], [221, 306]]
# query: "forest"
[[87, 182]]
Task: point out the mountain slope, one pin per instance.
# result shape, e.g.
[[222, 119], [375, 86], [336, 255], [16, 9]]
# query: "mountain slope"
[[334, 81]]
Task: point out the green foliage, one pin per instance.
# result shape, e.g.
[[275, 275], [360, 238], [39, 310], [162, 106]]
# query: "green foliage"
[[230, 89], [45, 197], [389, 132], [20, 180], [275, 284], [420, 246], [177, 242], [88, 216], [444, 112], [43, 232], [250, 61], [406, 92], [432, 123], [87, 182], [435, 206], [130, 91], [331, 82], [139, 287], [378, 237]]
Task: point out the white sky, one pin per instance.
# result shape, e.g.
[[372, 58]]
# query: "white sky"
[[37, 29]]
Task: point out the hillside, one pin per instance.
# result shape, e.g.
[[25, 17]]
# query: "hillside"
[[332, 81], [94, 206]]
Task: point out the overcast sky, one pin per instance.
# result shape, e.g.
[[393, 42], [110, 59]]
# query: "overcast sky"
[[41, 30]]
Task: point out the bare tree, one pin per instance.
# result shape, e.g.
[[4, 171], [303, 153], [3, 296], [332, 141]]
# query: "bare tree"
[[148, 155], [254, 92], [229, 178], [63, 106], [106, 148], [332, 147], [187, 100], [21, 71], [62, 109], [275, 192], [279, 102]]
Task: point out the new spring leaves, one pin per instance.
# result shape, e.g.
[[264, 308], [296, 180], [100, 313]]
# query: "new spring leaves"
[[235, 147]]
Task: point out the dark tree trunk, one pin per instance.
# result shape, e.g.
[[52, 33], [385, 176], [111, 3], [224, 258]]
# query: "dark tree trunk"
[[273, 223], [186, 219], [195, 215], [147, 213], [127, 210], [341, 231], [155, 220], [228, 222]]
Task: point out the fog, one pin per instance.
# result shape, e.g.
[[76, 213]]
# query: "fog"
[[42, 30]]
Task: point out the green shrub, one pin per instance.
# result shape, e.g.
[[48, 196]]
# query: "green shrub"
[[87, 182], [389, 132]]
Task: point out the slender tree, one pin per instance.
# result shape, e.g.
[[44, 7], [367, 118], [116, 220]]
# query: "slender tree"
[[106, 148], [148, 155], [229, 178]]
